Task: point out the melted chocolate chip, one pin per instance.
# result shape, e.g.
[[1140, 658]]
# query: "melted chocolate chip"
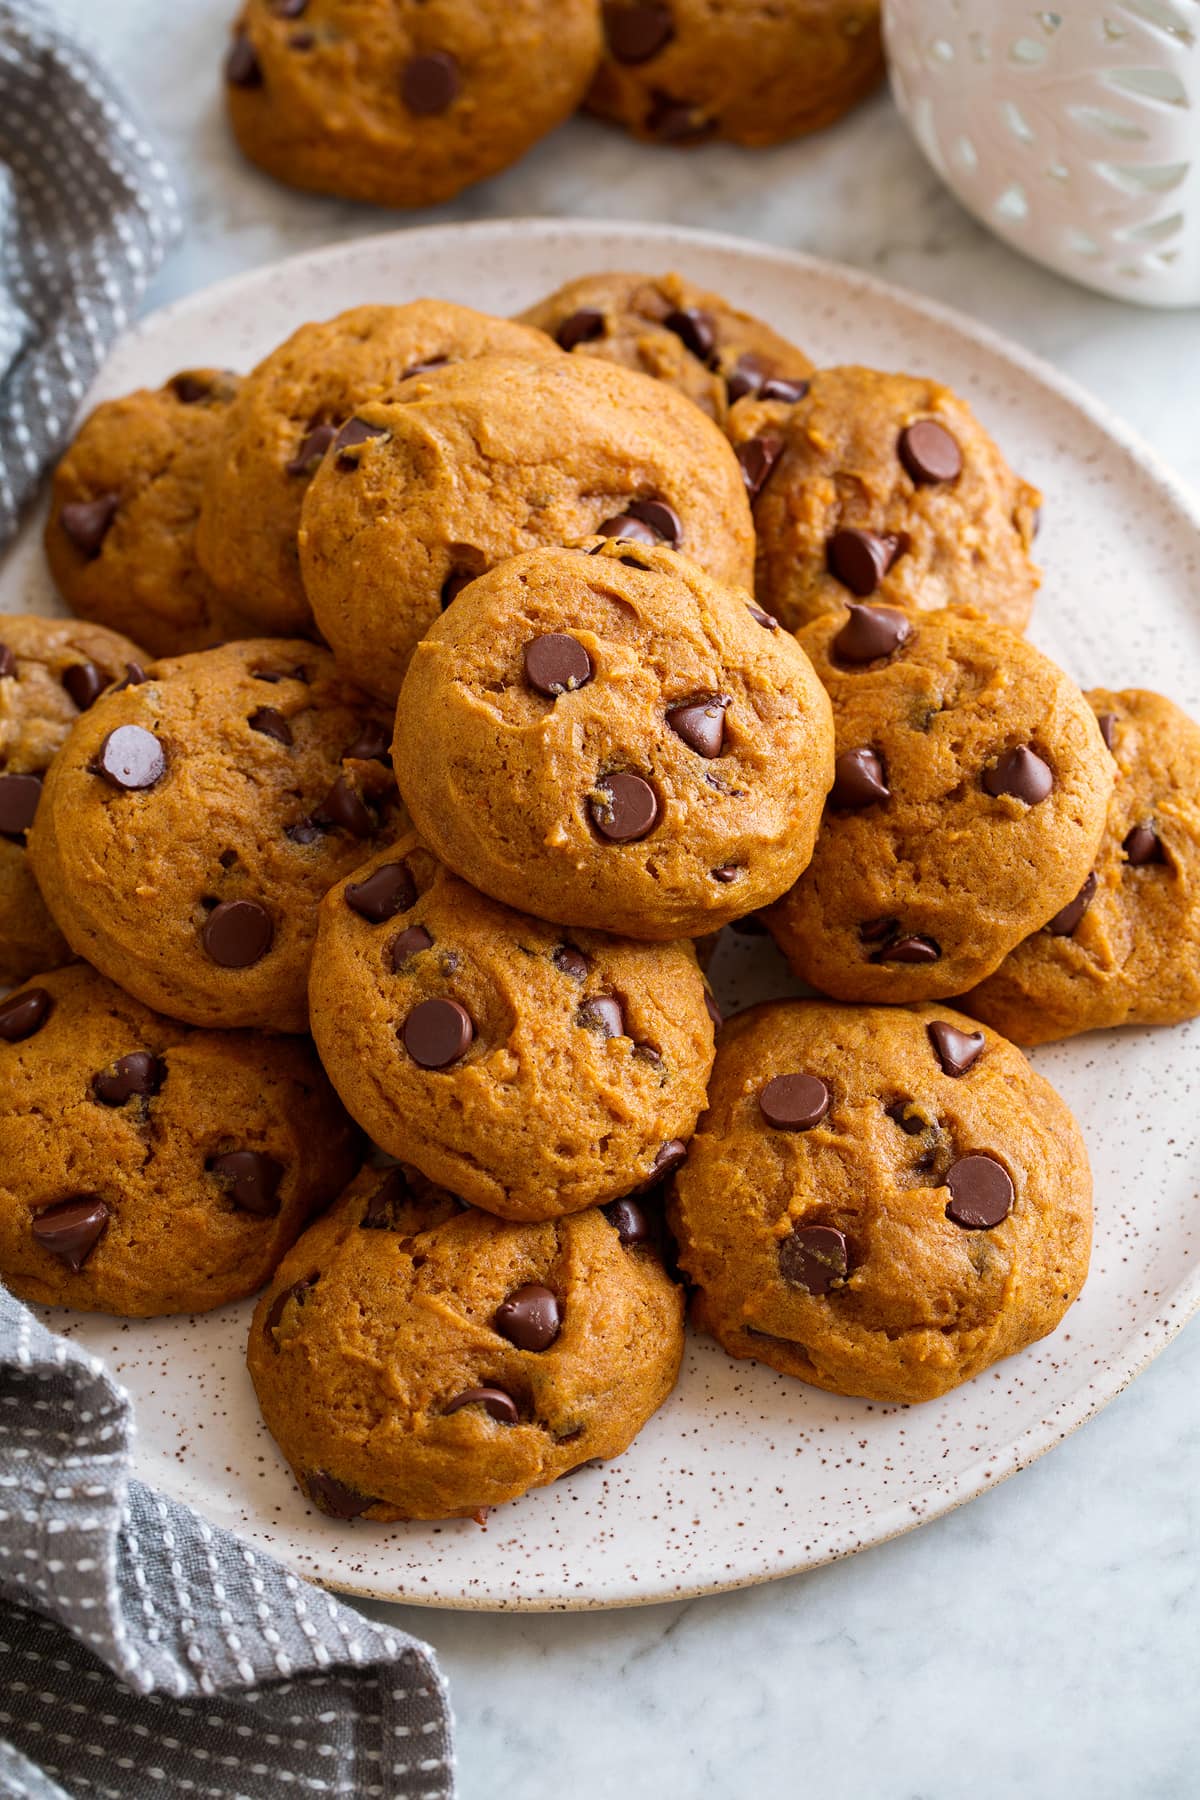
[[860, 559], [757, 457], [957, 1051], [238, 933], [669, 1156], [572, 962], [859, 781], [909, 950], [251, 1178], [8, 662], [582, 327], [628, 1219], [85, 683], [794, 1102], [382, 894], [701, 724], [86, 522], [531, 1317], [602, 1014], [1021, 774], [815, 1258], [271, 724], [437, 1033], [495, 1402], [627, 809], [1065, 923], [431, 83], [408, 944], [981, 1193], [635, 33], [19, 796], [130, 758], [1142, 846], [135, 1076], [71, 1229], [929, 453], [871, 633], [556, 663], [24, 1013], [313, 446]]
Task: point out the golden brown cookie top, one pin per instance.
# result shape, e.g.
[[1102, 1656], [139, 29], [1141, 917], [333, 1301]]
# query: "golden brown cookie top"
[[1126, 950], [530, 1069], [610, 738], [195, 818], [883, 487], [881, 1201], [667, 327], [146, 1167], [479, 461], [969, 799]]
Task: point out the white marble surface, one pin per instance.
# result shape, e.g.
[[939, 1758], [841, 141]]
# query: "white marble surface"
[[1045, 1640]]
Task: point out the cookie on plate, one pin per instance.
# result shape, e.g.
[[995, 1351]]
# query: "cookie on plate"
[[148, 1168], [531, 1070], [51, 670], [286, 414], [880, 1201], [195, 817], [1126, 950], [609, 738], [120, 537], [968, 804], [883, 487], [403, 104], [752, 71], [416, 1361], [479, 461], [664, 326]]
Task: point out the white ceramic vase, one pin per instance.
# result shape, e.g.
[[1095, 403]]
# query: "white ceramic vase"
[[1073, 134]]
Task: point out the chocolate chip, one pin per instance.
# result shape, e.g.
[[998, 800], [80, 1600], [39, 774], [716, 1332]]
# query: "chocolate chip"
[[957, 1051], [271, 724], [794, 1102], [701, 724], [859, 781], [71, 1229], [815, 1258], [289, 9], [24, 1013], [424, 368], [670, 1156], [137, 1075], [251, 1178], [767, 620], [871, 632], [1022, 774], [130, 758], [860, 559], [303, 832], [86, 522], [453, 586], [713, 1010], [431, 83], [242, 67], [1108, 729], [437, 1033], [628, 530], [929, 453], [531, 1317], [389, 1197], [909, 950], [19, 796], [1064, 923], [628, 1220], [728, 872], [757, 457], [374, 744], [582, 327], [8, 662], [85, 683], [782, 387], [334, 1498], [238, 933], [662, 519], [572, 962], [313, 446], [353, 433], [190, 389], [135, 675], [694, 329], [981, 1193], [636, 33], [343, 809], [556, 663], [628, 811], [745, 378], [1143, 845], [602, 1014], [496, 1403], [674, 121], [382, 894], [408, 944], [875, 930], [279, 1306]]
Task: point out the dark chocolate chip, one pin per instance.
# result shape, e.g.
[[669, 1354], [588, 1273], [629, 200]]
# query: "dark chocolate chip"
[[603, 1014], [86, 522], [794, 1102], [745, 378], [313, 446], [135, 675], [289, 9], [694, 329], [437, 1033], [627, 811], [859, 781], [727, 873], [674, 121], [373, 744], [343, 809], [334, 1498], [408, 944], [636, 33], [496, 1403], [85, 683], [1108, 729], [981, 1193], [789, 389], [531, 1317], [384, 893], [662, 519], [8, 662], [274, 1318], [713, 1010], [757, 457], [582, 327], [875, 930], [957, 1051], [1022, 774], [24, 1013], [860, 559], [431, 83], [238, 933], [130, 758], [242, 67], [424, 368], [190, 389], [628, 1219], [392, 1193], [572, 962], [1065, 923], [19, 796], [909, 950], [1143, 845], [453, 586], [701, 724], [929, 453], [871, 632], [670, 1156], [767, 620], [815, 1258], [628, 530], [251, 1178], [71, 1229], [271, 724], [556, 663], [353, 433], [137, 1075]]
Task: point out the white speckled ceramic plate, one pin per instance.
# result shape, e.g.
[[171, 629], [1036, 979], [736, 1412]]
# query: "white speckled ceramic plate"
[[744, 1475]]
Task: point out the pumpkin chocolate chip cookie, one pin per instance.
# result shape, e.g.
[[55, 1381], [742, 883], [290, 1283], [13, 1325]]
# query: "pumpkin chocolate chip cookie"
[[968, 804], [196, 816], [147, 1168], [1126, 949], [883, 487], [751, 71], [531, 1070], [416, 1361], [120, 537], [665, 327], [288, 412], [475, 462], [51, 670], [880, 1201], [609, 738]]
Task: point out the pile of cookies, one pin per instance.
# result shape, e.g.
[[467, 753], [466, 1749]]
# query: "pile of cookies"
[[438, 691], [406, 102]]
